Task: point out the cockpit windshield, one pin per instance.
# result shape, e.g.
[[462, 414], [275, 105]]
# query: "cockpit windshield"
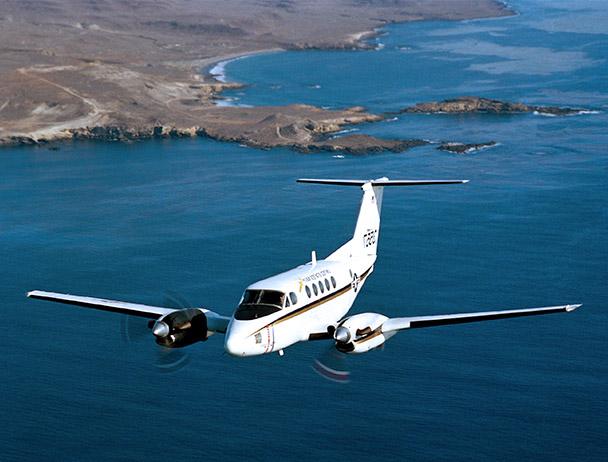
[[259, 303]]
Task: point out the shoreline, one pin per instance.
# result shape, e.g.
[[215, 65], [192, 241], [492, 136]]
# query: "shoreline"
[[214, 68], [183, 97]]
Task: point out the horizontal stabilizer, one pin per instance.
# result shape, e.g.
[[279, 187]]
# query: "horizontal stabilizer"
[[379, 182], [395, 324]]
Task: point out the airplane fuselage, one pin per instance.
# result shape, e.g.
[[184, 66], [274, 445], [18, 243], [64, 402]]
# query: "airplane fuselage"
[[323, 292]]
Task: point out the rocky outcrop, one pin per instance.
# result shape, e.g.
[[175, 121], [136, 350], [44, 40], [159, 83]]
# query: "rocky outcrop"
[[334, 46], [301, 127], [104, 133], [463, 148], [363, 144], [474, 104], [296, 126]]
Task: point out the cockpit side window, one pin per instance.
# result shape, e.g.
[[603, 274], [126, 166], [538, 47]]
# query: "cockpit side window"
[[293, 297]]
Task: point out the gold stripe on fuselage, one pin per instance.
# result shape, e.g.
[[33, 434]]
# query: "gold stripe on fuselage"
[[312, 305]]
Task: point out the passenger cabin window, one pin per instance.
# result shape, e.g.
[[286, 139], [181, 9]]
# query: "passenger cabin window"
[[293, 297], [315, 290], [259, 303], [308, 292], [321, 288], [333, 282], [327, 284]]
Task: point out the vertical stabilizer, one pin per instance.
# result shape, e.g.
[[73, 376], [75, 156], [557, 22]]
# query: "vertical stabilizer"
[[367, 229]]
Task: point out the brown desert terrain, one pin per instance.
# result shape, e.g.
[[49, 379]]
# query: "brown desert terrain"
[[127, 69]]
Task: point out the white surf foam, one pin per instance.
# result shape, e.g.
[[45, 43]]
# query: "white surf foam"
[[544, 114], [585, 112], [218, 72], [342, 132]]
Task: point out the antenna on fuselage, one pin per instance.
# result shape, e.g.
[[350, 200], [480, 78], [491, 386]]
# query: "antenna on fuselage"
[[313, 258]]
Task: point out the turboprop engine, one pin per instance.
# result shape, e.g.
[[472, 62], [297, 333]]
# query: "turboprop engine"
[[360, 333], [181, 328]]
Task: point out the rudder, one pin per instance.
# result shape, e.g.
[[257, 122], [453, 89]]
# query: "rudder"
[[367, 229]]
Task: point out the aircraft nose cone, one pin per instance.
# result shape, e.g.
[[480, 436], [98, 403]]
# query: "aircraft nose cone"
[[234, 346], [160, 329]]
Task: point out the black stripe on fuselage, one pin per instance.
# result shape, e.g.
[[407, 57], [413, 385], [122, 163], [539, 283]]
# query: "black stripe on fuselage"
[[113, 309], [444, 322]]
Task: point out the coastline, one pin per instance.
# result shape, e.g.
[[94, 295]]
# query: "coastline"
[[107, 100], [214, 68]]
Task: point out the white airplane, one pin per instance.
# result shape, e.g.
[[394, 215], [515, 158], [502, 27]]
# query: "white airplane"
[[309, 302]]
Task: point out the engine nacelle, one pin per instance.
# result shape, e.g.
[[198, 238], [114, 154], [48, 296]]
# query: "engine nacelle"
[[360, 333], [181, 328]]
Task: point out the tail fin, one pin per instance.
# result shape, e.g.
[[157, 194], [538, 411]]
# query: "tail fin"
[[367, 229]]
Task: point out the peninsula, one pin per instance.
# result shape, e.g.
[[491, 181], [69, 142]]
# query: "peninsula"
[[118, 70]]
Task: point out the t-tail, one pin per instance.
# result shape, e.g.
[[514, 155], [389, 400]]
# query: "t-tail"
[[367, 230]]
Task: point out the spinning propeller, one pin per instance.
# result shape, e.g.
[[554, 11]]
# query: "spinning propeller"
[[332, 365], [137, 331]]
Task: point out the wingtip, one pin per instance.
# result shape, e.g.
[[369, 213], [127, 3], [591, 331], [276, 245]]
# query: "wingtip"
[[35, 293], [573, 307], [465, 181]]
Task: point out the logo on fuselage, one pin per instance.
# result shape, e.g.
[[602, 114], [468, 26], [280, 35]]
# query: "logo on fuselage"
[[355, 282], [316, 276]]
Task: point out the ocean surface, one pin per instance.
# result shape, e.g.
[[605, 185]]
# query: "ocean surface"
[[200, 220]]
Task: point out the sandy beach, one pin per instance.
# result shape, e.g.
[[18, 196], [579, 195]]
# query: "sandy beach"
[[216, 67]]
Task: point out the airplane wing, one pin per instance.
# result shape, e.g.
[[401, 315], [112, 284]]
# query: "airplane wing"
[[215, 322], [134, 309], [395, 324]]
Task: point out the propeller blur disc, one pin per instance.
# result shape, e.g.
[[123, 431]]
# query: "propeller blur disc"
[[331, 365]]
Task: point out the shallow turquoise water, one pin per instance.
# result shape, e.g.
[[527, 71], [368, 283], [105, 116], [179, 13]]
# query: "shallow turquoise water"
[[204, 219]]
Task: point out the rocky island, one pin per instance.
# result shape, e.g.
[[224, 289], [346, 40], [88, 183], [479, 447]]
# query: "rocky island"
[[363, 144], [465, 148], [476, 104], [115, 70]]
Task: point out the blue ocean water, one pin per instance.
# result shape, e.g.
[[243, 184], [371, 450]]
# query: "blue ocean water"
[[204, 219]]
